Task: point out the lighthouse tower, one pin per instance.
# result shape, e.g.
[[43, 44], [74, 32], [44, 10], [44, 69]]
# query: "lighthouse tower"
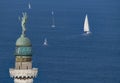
[[23, 71]]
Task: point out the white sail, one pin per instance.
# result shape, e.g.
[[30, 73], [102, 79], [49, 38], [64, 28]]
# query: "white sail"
[[53, 20], [86, 25], [29, 6], [45, 42], [52, 12]]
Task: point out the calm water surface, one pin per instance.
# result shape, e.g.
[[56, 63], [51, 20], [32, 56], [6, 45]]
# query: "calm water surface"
[[69, 57]]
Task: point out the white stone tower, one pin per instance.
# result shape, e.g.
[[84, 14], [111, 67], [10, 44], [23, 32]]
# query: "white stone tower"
[[23, 71]]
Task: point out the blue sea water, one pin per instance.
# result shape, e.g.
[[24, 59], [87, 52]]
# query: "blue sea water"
[[69, 57]]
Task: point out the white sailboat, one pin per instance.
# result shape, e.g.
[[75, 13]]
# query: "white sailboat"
[[29, 6], [53, 20], [45, 43], [86, 26]]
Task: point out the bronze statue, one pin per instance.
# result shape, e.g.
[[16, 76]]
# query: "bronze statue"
[[23, 22]]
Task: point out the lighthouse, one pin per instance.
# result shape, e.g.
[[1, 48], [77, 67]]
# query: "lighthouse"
[[23, 71]]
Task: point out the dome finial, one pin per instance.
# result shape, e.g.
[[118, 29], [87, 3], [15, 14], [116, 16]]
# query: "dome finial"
[[23, 22]]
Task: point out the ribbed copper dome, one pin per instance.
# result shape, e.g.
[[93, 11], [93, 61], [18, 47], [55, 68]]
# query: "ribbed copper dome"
[[23, 41]]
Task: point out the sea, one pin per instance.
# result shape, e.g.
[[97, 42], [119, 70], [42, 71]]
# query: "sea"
[[70, 56]]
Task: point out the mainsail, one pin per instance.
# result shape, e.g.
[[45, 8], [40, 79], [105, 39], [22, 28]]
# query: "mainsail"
[[29, 6], [45, 42], [53, 20], [86, 25]]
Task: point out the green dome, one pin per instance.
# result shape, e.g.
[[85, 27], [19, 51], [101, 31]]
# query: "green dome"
[[23, 41]]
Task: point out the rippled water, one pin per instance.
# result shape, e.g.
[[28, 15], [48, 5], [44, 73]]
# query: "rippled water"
[[69, 57]]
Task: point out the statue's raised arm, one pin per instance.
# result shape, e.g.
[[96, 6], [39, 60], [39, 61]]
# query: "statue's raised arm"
[[23, 22]]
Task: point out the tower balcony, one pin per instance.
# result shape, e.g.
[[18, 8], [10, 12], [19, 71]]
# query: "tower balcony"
[[23, 73]]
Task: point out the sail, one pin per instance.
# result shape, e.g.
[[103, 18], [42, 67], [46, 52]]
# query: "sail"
[[86, 25], [53, 20], [29, 6], [45, 42], [52, 13]]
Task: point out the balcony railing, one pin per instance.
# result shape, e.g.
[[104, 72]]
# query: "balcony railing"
[[23, 72]]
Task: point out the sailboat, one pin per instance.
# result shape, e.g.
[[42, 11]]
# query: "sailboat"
[[45, 43], [29, 6], [53, 20], [86, 26]]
